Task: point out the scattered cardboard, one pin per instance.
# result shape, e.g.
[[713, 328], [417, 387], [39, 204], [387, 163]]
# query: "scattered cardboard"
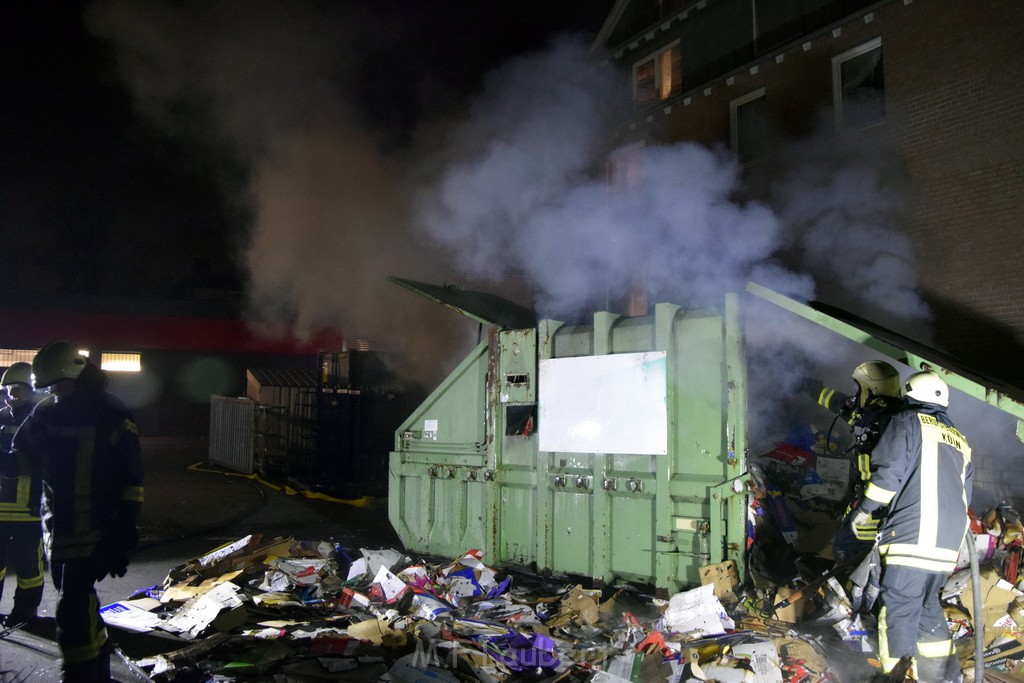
[[998, 597], [725, 578], [793, 612]]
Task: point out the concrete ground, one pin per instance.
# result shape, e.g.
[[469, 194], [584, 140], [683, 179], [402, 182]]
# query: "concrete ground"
[[191, 508]]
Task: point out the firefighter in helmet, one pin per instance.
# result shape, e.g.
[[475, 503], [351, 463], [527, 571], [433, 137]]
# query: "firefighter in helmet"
[[867, 411], [21, 534], [923, 475], [86, 444]]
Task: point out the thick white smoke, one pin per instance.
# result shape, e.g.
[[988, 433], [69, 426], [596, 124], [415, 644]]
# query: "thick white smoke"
[[524, 190], [517, 190]]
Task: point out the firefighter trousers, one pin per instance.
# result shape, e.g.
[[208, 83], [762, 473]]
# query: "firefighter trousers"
[[80, 631], [912, 622], [21, 549]]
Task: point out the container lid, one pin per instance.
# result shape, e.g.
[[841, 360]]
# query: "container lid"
[[485, 308]]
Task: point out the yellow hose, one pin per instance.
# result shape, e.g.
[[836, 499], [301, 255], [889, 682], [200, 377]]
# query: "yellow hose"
[[364, 501]]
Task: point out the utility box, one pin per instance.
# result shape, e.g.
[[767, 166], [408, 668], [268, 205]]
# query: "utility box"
[[614, 450]]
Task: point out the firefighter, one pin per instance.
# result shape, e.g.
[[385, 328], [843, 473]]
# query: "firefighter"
[[21, 533], [86, 444], [867, 411], [923, 473]]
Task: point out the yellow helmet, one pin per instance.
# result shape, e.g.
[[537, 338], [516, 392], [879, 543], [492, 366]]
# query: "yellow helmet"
[[876, 378], [18, 373], [56, 361]]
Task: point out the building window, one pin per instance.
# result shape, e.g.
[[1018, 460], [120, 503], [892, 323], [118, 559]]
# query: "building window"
[[748, 126], [121, 362], [858, 86], [660, 76], [9, 357], [625, 167]]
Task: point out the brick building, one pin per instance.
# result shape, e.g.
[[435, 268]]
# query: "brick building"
[[936, 83]]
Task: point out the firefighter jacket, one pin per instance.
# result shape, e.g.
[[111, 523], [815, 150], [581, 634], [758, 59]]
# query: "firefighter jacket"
[[19, 480], [867, 422], [925, 475], [87, 448]]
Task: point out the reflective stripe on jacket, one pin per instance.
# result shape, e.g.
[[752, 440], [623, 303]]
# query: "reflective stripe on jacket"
[[924, 474], [19, 482]]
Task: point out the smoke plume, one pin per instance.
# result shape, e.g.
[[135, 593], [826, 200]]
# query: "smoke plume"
[[522, 193], [524, 190], [268, 83]]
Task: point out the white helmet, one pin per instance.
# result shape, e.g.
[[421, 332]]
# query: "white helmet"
[[878, 378], [927, 387]]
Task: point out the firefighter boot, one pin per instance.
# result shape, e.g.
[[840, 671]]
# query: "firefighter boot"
[[26, 604], [90, 670], [80, 672], [939, 670]]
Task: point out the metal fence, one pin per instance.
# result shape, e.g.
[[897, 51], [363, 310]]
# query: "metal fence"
[[233, 432]]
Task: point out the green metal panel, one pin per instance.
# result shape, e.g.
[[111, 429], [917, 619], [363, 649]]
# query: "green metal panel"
[[516, 455], [482, 307], [645, 517], [437, 474]]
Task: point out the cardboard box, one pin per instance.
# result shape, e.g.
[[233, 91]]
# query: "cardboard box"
[[793, 612], [835, 479], [724, 577], [999, 596]]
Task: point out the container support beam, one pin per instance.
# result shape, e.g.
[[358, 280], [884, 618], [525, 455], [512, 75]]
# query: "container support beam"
[[972, 388]]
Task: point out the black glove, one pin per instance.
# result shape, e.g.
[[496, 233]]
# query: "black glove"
[[112, 551], [111, 560]]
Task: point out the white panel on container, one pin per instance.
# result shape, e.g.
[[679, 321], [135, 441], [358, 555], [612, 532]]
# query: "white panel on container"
[[604, 404]]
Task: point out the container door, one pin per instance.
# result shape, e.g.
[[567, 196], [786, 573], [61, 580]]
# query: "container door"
[[514, 397], [436, 497]]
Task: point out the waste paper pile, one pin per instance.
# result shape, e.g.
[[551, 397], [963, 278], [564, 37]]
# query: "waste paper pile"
[[287, 610], [290, 610]]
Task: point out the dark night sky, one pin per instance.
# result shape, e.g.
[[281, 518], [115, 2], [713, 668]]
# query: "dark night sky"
[[96, 198]]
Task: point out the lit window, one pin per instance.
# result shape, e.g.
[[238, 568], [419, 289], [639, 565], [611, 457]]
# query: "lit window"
[[121, 362], [9, 357], [858, 86], [748, 125], [660, 76]]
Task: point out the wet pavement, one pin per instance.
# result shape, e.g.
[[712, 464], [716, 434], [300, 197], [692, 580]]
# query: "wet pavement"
[[192, 507]]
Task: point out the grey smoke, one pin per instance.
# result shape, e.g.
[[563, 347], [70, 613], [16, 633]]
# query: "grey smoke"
[[843, 201], [524, 190], [268, 80], [514, 192]]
